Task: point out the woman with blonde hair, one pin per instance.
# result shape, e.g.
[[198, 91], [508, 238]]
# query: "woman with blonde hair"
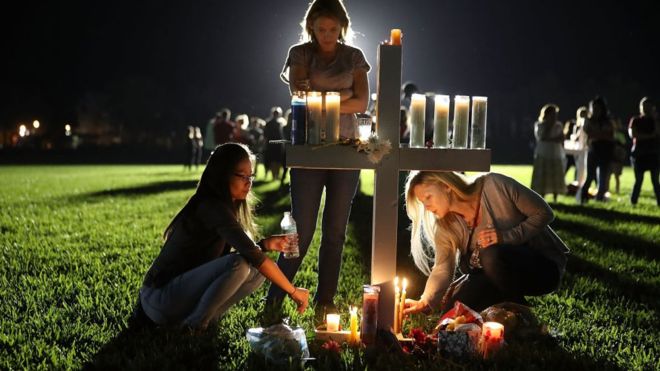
[[493, 229], [548, 171]]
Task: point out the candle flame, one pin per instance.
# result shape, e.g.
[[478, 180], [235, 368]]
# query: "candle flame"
[[405, 284]]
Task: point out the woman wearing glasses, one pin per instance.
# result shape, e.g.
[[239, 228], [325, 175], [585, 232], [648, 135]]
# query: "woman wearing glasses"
[[209, 260]]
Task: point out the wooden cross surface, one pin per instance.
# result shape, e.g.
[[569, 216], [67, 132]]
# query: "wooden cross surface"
[[386, 173]]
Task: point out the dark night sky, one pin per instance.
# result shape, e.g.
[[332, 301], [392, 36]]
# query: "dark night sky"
[[192, 58]]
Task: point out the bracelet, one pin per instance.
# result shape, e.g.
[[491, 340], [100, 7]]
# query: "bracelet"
[[294, 291]]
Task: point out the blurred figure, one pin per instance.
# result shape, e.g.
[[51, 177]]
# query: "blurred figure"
[[241, 133], [569, 128], [643, 130], [548, 170], [580, 137], [198, 147], [256, 129], [286, 132], [600, 130], [189, 149], [223, 127], [274, 154], [209, 137], [407, 90], [404, 128], [618, 156]]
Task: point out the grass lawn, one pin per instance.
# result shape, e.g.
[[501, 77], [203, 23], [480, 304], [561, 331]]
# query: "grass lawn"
[[76, 240]]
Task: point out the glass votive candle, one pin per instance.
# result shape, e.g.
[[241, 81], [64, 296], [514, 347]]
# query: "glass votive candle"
[[332, 322]]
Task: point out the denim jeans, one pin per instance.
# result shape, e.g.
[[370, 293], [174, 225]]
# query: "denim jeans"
[[642, 164], [598, 167], [203, 294], [306, 189]]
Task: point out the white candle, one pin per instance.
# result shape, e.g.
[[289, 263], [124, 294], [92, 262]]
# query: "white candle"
[[315, 119], [332, 321], [478, 128], [441, 121], [492, 338], [332, 100], [461, 112], [417, 118]]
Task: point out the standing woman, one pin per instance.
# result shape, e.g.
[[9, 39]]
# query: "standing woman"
[[324, 62], [599, 128], [494, 229], [209, 260], [548, 171]]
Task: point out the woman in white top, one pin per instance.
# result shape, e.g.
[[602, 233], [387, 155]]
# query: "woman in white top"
[[549, 157]]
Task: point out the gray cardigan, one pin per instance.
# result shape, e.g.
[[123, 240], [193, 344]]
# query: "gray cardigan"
[[518, 213]]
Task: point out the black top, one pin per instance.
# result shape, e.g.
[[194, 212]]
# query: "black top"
[[209, 231]]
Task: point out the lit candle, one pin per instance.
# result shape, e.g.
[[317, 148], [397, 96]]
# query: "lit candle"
[[417, 117], [478, 128], [315, 112], [369, 313], [461, 112], [396, 305], [403, 302], [441, 121], [395, 36], [353, 326], [332, 99], [492, 338], [332, 321]]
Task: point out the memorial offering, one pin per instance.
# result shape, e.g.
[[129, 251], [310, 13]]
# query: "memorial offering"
[[461, 113], [478, 128], [314, 117]]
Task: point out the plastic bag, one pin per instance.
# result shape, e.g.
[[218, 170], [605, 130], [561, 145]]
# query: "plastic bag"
[[279, 344]]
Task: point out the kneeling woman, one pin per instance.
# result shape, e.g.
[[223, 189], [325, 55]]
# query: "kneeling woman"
[[197, 276], [493, 228]]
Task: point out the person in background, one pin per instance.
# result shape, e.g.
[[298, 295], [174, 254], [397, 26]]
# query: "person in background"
[[600, 132], [619, 155], [198, 147], [286, 133], [209, 260], [274, 154], [580, 137], [241, 133], [189, 148], [494, 229], [324, 61], [548, 170], [569, 129], [223, 127], [643, 129], [256, 129]]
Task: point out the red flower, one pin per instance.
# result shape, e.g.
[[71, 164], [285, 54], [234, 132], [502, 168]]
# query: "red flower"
[[332, 346], [419, 335]]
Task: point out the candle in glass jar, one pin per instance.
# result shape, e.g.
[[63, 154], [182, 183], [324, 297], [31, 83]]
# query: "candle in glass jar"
[[441, 121], [332, 100], [492, 338], [478, 128], [369, 313], [395, 36], [315, 118], [417, 118], [353, 326], [461, 113], [332, 322]]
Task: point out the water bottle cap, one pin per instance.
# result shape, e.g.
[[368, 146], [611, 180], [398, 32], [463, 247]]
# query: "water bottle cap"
[[287, 213]]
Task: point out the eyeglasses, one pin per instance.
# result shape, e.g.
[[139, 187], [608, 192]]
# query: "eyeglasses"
[[246, 178]]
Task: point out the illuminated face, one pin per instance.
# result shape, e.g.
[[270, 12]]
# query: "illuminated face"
[[434, 197], [241, 181], [326, 31]]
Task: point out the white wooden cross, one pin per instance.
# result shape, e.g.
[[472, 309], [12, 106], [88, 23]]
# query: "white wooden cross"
[[386, 177]]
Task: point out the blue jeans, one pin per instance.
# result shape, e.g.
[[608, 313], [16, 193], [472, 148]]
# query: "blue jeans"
[[203, 294], [598, 168], [306, 190]]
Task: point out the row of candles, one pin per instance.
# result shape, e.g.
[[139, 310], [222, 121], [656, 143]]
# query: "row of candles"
[[315, 117], [417, 121]]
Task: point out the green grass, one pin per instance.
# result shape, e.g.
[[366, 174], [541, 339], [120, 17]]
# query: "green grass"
[[76, 240]]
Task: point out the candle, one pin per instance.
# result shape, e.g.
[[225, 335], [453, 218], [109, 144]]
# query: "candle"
[[403, 302], [478, 128], [461, 112], [396, 305], [492, 338], [315, 112], [332, 99], [353, 325], [369, 313], [441, 121], [332, 321], [395, 37], [417, 118]]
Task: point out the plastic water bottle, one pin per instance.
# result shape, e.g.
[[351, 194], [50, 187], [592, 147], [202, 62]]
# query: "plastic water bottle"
[[288, 225]]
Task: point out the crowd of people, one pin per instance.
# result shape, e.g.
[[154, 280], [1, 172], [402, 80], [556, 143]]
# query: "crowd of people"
[[596, 144]]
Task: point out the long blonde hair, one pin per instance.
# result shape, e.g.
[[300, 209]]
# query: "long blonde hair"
[[326, 8], [426, 228]]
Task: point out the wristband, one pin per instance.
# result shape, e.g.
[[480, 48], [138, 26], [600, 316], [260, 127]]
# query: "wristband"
[[294, 291]]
